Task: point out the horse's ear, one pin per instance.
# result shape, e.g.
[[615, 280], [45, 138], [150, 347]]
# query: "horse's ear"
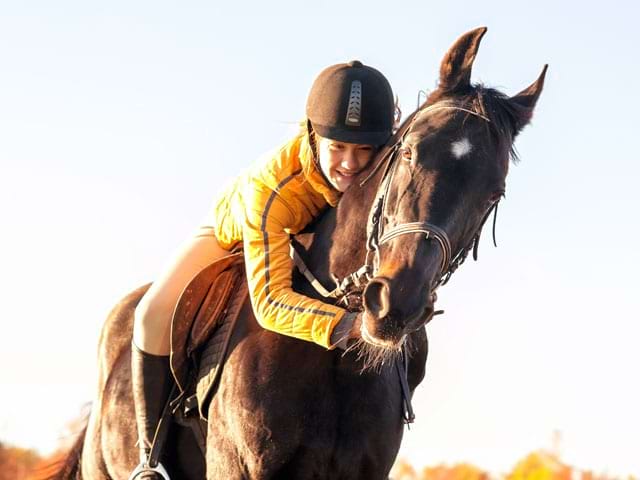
[[525, 101], [455, 69]]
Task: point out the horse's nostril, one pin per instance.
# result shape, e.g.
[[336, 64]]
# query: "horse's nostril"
[[376, 298]]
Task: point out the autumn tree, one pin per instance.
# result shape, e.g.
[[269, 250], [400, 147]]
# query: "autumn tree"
[[16, 463], [540, 465]]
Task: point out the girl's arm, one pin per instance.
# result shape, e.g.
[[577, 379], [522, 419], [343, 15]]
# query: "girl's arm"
[[269, 269]]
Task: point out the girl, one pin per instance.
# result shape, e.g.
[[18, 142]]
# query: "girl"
[[350, 113]]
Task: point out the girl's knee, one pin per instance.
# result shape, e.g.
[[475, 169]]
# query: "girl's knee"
[[152, 314], [152, 327]]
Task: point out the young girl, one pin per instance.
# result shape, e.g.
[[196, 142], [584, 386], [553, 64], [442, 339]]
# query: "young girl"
[[350, 113]]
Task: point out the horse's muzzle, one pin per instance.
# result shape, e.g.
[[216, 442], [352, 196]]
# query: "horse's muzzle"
[[390, 317]]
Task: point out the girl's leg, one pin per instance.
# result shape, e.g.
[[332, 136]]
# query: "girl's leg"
[[150, 371], [152, 325]]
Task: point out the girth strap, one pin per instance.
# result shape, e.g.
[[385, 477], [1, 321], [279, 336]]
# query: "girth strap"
[[160, 438], [183, 409]]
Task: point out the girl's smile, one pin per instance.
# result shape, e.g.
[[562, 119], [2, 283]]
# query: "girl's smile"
[[341, 161]]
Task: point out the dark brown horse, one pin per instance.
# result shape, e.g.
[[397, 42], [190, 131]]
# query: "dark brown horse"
[[290, 409]]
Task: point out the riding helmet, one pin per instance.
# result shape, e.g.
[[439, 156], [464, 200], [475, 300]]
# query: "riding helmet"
[[353, 103]]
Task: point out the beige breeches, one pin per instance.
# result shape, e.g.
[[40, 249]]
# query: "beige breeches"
[[152, 319]]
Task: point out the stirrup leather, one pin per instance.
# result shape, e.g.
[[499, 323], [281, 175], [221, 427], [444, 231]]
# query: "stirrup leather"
[[144, 467]]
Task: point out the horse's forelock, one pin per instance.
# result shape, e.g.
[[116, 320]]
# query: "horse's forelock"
[[505, 117]]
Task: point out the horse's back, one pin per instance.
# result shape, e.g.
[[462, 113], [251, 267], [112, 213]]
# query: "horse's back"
[[117, 332]]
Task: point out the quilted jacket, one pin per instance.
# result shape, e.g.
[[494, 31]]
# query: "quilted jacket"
[[278, 196]]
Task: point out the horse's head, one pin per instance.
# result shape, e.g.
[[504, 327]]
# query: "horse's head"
[[445, 171]]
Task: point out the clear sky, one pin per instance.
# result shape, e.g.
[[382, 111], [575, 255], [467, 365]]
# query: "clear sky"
[[119, 122]]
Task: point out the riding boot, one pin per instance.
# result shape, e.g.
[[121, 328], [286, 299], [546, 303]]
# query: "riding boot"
[[151, 383]]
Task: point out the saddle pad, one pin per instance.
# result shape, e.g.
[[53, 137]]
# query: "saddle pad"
[[215, 351], [200, 307]]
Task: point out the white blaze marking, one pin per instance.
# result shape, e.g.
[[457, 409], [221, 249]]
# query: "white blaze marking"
[[461, 147]]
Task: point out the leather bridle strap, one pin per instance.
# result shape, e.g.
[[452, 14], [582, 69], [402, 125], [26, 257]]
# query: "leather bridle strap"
[[402, 366], [430, 231], [358, 279]]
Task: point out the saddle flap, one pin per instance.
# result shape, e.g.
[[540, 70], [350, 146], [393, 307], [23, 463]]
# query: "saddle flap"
[[199, 308], [214, 353], [212, 308]]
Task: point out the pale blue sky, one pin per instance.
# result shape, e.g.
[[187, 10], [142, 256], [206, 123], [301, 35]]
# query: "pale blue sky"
[[120, 122]]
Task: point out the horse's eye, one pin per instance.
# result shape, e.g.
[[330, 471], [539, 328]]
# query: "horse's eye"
[[406, 154]]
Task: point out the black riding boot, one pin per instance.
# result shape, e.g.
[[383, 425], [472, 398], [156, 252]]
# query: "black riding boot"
[[151, 382]]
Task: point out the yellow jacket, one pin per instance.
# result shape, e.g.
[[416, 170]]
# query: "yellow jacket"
[[279, 195]]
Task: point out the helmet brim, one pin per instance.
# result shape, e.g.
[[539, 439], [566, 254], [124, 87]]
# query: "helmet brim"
[[342, 134]]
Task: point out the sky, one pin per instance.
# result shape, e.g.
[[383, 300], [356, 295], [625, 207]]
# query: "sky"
[[120, 121]]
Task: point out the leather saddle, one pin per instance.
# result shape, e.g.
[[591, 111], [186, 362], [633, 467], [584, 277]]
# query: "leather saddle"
[[201, 328]]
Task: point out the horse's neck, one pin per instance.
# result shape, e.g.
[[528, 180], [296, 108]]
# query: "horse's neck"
[[336, 244]]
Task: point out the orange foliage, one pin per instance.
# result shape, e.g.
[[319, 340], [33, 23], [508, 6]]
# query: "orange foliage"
[[589, 475], [16, 463], [461, 471], [540, 465]]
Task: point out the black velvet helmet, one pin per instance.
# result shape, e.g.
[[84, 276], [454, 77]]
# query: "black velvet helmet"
[[353, 103]]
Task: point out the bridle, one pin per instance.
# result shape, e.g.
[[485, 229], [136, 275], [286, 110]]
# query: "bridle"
[[377, 236]]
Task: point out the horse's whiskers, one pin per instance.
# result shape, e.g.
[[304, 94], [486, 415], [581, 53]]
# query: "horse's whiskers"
[[373, 357]]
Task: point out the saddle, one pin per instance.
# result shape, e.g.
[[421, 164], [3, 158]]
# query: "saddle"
[[201, 328]]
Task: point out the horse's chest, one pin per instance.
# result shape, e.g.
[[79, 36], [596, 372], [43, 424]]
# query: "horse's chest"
[[291, 413]]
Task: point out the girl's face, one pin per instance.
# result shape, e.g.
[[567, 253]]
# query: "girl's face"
[[341, 161]]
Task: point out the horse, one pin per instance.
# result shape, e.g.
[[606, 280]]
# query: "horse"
[[291, 409]]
